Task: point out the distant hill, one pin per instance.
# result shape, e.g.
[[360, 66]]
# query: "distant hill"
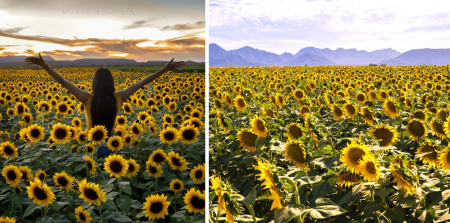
[[19, 60], [248, 56], [421, 57]]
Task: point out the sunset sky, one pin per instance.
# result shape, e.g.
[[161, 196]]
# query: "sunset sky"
[[290, 25], [133, 29]]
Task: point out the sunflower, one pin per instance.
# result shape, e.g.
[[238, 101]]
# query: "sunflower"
[[367, 114], [27, 118], [153, 169], [350, 110], [8, 150], [63, 180], [133, 168], [294, 131], [416, 129], [419, 114], [169, 135], [158, 156], [62, 108], [121, 120], [90, 163], [337, 112], [41, 194], [259, 127], [269, 112], [390, 108], [41, 175], [127, 139], [368, 168], [279, 99], [116, 165], [82, 215], [176, 185], [26, 173], [385, 134], [7, 220], [127, 108], [196, 122], [176, 161], [60, 133], [35, 133], [444, 159], [247, 140], [296, 154], [268, 179], [240, 103], [136, 129], [91, 192], [156, 206], [188, 134], [360, 97], [195, 201], [115, 143], [82, 137], [98, 134], [20, 108], [442, 114], [430, 158], [352, 155], [10, 112], [299, 95], [438, 129], [76, 122], [198, 174], [347, 179], [12, 175]]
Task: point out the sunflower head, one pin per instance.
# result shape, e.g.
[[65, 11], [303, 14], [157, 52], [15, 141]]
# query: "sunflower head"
[[247, 140], [296, 154], [353, 154], [347, 179], [259, 127], [82, 215], [115, 143], [385, 134], [60, 133], [169, 135], [198, 174], [97, 134], [158, 156], [63, 180], [91, 192], [176, 185], [90, 164], [116, 165], [133, 168], [195, 201], [12, 175], [368, 168], [153, 169], [416, 129], [8, 150], [156, 206], [176, 161], [41, 194]]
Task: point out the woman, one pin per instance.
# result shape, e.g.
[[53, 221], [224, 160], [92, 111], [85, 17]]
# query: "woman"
[[102, 107]]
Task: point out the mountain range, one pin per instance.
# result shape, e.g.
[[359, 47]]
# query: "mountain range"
[[19, 60], [248, 56]]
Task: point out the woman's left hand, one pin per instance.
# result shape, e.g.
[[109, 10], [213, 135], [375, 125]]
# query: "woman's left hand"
[[170, 66]]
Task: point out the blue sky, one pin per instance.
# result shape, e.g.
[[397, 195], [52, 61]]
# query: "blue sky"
[[134, 29], [289, 25]]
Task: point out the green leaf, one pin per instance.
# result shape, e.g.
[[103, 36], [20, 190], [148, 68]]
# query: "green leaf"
[[325, 208], [212, 195], [111, 195], [349, 197], [122, 218], [79, 167], [110, 181], [260, 142], [288, 213], [321, 190], [251, 198], [31, 209], [308, 179], [397, 214], [431, 182], [126, 188], [110, 205], [371, 208], [124, 204], [383, 192]]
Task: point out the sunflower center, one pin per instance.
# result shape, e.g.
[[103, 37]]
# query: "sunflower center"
[[135, 130], [77, 123], [196, 124], [27, 119], [249, 139], [24, 175], [176, 161], [416, 128], [419, 115], [153, 169], [260, 125], [39, 193], [391, 107], [115, 143], [360, 97], [168, 119], [98, 135], [351, 110], [198, 174], [41, 177], [82, 137], [197, 202], [296, 153], [355, 155], [177, 185], [128, 139], [438, 127], [156, 207], [299, 94], [115, 166], [295, 131], [63, 108], [158, 158], [11, 175], [8, 150], [432, 155], [121, 121], [89, 164], [60, 133], [384, 135], [370, 167], [90, 194], [35, 133], [127, 109], [337, 111], [188, 134], [62, 181], [20, 109], [82, 217], [130, 168], [169, 135], [241, 103]]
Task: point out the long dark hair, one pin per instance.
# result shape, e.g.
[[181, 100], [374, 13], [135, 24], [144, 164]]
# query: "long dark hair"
[[104, 104]]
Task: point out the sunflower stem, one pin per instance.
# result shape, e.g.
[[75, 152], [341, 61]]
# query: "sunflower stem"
[[46, 211], [100, 212], [60, 156], [120, 188]]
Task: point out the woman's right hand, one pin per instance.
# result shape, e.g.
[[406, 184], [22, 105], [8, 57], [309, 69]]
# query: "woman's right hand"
[[35, 60], [170, 66]]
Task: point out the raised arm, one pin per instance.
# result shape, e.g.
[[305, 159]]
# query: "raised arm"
[[78, 93], [125, 94]]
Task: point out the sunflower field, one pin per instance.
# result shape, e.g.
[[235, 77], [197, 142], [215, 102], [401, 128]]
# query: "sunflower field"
[[49, 165], [329, 144]]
